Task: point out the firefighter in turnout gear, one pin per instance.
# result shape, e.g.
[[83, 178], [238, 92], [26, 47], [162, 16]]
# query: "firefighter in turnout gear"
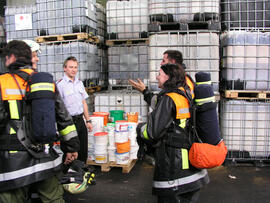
[[167, 130], [20, 169]]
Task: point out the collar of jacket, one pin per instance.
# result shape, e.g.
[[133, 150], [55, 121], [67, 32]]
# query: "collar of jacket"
[[18, 65]]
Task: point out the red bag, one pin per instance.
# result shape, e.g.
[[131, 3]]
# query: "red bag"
[[203, 155]]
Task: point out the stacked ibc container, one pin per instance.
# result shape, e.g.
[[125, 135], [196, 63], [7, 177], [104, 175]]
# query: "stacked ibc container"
[[191, 27], [127, 40], [245, 80], [67, 28]]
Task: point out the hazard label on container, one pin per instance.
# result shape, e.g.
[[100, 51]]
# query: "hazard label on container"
[[23, 21]]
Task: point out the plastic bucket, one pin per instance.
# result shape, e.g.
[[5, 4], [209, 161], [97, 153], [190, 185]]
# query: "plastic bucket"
[[132, 136], [133, 152], [120, 137], [111, 153], [132, 126], [123, 147], [116, 115], [97, 123], [101, 138], [104, 114], [121, 126], [132, 117], [122, 158]]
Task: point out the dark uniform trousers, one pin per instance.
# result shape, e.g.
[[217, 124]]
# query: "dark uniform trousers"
[[49, 190], [83, 137]]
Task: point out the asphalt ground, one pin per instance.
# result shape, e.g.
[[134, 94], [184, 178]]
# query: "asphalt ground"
[[228, 184]]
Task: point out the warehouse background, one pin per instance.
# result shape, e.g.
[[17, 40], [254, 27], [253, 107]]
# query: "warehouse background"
[[118, 40]]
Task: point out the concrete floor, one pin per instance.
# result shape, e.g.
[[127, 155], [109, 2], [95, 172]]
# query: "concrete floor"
[[229, 184]]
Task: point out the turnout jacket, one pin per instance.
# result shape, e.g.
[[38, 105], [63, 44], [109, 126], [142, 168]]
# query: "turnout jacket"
[[18, 167], [167, 130]]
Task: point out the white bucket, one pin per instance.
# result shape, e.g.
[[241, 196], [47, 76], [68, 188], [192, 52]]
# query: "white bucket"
[[132, 126], [121, 126], [133, 138], [133, 152], [91, 138], [101, 138], [101, 153], [122, 158], [120, 137], [111, 139], [111, 153], [97, 123]]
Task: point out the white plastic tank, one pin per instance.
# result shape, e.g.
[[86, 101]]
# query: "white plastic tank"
[[127, 62], [200, 51], [52, 57], [66, 16], [246, 60], [244, 126], [21, 22], [101, 22], [127, 19]]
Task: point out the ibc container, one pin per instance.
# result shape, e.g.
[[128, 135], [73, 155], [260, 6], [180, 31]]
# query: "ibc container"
[[66, 16], [101, 22], [127, 19], [245, 14], [245, 128], [246, 60], [52, 57], [184, 10], [127, 62], [21, 22], [200, 53], [121, 100]]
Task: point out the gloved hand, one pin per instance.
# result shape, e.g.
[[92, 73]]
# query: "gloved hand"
[[91, 178]]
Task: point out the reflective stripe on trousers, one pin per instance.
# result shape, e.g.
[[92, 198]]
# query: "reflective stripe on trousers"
[[180, 181]]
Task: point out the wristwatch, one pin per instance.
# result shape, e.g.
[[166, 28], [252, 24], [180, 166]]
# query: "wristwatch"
[[89, 121]]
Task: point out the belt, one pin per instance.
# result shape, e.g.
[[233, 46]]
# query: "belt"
[[77, 116]]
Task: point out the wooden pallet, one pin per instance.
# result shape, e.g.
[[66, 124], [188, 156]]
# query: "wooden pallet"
[[127, 41], [68, 37], [106, 167], [247, 94]]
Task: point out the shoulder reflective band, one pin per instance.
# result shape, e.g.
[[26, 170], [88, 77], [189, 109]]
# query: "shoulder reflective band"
[[206, 82], [205, 100], [14, 92], [13, 109], [42, 86], [184, 153]]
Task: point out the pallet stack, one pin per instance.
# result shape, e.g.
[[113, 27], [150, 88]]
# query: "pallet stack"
[[68, 28], [245, 80], [191, 27]]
